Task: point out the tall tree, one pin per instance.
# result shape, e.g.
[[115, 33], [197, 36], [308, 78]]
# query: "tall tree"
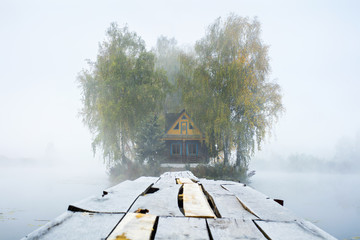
[[150, 146], [226, 88], [167, 58], [118, 90]]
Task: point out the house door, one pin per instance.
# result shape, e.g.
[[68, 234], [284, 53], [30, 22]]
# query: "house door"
[[183, 128]]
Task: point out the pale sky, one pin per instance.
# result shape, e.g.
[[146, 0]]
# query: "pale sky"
[[314, 51]]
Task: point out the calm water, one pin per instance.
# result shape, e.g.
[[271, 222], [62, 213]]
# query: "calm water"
[[330, 201], [30, 197]]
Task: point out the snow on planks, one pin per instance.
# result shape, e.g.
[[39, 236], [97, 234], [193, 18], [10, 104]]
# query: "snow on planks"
[[181, 228], [118, 199], [162, 202], [178, 205], [77, 225], [259, 204], [226, 202], [295, 230], [145, 181], [169, 178], [230, 228]]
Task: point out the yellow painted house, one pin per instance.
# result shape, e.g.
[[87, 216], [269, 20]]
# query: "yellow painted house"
[[185, 143]]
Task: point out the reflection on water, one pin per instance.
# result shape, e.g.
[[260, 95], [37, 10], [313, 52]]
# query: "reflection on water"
[[30, 197], [330, 201]]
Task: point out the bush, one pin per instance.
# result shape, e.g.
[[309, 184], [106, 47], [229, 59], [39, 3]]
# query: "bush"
[[220, 171], [133, 170]]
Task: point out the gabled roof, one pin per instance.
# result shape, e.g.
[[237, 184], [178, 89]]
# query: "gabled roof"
[[175, 132], [170, 118]]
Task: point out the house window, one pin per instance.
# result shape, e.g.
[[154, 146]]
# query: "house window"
[[175, 149], [183, 117], [177, 126], [191, 126], [183, 128], [192, 149]]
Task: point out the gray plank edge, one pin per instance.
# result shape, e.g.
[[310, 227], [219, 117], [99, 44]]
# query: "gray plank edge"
[[292, 230], [163, 202], [181, 228], [225, 228], [117, 201], [72, 226]]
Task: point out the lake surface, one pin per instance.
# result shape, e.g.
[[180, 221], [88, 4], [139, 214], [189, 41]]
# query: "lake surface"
[[330, 201], [30, 197]]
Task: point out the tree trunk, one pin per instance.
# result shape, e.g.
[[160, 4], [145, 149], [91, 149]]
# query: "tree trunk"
[[226, 150], [237, 155], [122, 142], [241, 160]]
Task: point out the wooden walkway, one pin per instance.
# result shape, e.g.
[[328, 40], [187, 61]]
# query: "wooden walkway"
[[178, 205]]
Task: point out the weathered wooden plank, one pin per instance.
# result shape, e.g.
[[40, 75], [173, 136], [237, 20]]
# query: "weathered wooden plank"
[[120, 187], [293, 230], [217, 182], [230, 207], [226, 202], [184, 180], [170, 177], [134, 226], [216, 189], [259, 204], [146, 179], [117, 200], [166, 178], [225, 228], [77, 225], [163, 202], [195, 203], [189, 174], [181, 228], [230, 198], [314, 228]]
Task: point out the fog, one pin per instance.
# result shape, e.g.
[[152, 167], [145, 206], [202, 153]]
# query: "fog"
[[33, 195], [345, 158], [329, 200], [320, 188], [45, 150]]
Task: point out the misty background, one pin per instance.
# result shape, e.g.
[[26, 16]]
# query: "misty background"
[[315, 57]]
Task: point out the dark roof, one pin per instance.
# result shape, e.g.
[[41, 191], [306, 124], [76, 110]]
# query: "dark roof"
[[170, 118]]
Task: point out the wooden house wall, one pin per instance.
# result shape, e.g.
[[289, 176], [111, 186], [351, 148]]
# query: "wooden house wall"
[[184, 156]]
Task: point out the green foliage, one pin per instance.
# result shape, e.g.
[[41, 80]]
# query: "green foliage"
[[220, 171], [223, 85], [120, 89], [149, 144], [132, 170], [226, 90]]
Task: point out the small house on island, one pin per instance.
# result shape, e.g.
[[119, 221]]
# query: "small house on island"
[[184, 141]]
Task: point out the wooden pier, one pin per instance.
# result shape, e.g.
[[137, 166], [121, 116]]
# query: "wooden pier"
[[178, 205]]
